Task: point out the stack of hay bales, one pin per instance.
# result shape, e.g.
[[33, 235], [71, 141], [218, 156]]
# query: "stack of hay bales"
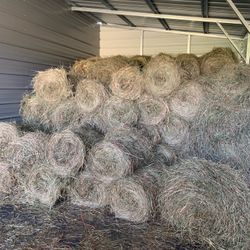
[[116, 131]]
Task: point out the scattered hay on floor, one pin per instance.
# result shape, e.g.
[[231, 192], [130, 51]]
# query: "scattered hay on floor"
[[127, 83], [7, 179], [152, 110], [165, 154], [90, 96], [118, 112], [65, 153], [139, 61], [39, 186], [27, 150], [52, 85], [109, 161], [208, 201], [8, 134], [174, 131], [186, 100], [215, 60], [35, 113], [88, 191], [161, 75], [189, 66], [99, 69]]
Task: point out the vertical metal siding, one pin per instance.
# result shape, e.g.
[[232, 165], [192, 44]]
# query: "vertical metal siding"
[[35, 35]]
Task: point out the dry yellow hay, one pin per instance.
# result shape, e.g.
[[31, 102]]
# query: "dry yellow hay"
[[189, 66], [208, 201], [119, 112], [90, 96], [7, 178], [186, 100], [139, 61], [127, 83], [99, 69], [27, 150], [152, 110], [161, 75], [215, 60], [88, 191], [39, 185], [8, 134], [65, 153], [52, 85]]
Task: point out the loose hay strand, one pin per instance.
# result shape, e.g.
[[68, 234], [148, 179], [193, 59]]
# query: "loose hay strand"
[[7, 178]]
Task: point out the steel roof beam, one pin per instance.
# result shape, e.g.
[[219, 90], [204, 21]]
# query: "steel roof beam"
[[151, 4], [161, 16], [204, 10], [111, 7]]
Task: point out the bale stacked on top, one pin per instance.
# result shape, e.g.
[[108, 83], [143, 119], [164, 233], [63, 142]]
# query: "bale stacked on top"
[[161, 75], [139, 61], [208, 201], [215, 60]]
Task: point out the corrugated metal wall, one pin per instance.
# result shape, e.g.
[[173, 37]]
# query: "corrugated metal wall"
[[35, 35], [115, 41]]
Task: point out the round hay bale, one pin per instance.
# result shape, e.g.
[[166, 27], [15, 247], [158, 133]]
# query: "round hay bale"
[[189, 66], [208, 201], [109, 161], [161, 75], [186, 100], [119, 112], [65, 153], [152, 110], [27, 150], [215, 60], [7, 179], [165, 154], [40, 185], [8, 134], [35, 113], [132, 198], [52, 85], [132, 141], [90, 96], [100, 69], [88, 191], [139, 61], [174, 131], [127, 83], [65, 115]]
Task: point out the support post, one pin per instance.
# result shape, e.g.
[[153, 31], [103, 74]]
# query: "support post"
[[189, 44], [142, 43], [248, 49], [231, 41]]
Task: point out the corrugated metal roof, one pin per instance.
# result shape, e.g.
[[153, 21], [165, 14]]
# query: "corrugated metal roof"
[[217, 9]]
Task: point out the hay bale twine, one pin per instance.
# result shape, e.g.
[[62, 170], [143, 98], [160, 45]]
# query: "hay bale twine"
[[108, 161], [174, 131], [39, 186], [35, 113], [152, 110], [161, 75], [189, 66], [127, 83], [134, 198], [52, 85], [27, 150], [7, 179], [186, 100], [165, 154], [65, 115], [139, 61], [88, 191], [90, 96], [215, 60], [65, 153], [100, 69], [8, 134], [118, 112], [208, 201]]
